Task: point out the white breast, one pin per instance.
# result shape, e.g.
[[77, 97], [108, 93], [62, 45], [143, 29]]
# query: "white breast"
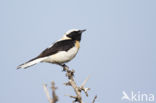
[[62, 56]]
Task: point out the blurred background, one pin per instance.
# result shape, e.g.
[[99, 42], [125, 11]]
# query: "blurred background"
[[118, 50]]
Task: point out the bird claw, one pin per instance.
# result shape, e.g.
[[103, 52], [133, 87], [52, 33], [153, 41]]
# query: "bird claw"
[[64, 66]]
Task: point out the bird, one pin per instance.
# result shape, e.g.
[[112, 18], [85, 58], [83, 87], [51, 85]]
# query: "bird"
[[60, 52]]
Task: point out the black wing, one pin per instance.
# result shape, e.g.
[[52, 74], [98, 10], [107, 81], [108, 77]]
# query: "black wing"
[[64, 45]]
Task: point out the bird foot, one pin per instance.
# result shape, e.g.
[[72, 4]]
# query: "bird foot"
[[64, 66]]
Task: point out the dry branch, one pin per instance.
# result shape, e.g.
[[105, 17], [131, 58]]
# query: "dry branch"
[[94, 99], [72, 83], [54, 98], [83, 88]]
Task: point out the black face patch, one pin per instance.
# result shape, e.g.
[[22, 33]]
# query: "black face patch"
[[75, 35]]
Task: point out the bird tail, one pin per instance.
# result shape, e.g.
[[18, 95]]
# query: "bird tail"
[[30, 63]]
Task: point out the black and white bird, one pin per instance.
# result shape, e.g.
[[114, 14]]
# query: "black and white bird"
[[60, 52]]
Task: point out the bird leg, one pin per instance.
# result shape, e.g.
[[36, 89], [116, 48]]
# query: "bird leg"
[[64, 66]]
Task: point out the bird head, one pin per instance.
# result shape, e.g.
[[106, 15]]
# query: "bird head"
[[74, 34]]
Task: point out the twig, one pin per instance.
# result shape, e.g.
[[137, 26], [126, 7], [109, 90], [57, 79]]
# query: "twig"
[[47, 93], [83, 88], [85, 81], [55, 98], [94, 99]]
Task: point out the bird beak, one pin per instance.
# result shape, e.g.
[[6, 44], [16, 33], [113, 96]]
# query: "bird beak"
[[82, 30]]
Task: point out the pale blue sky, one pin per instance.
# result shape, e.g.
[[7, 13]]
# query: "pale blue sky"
[[118, 50]]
